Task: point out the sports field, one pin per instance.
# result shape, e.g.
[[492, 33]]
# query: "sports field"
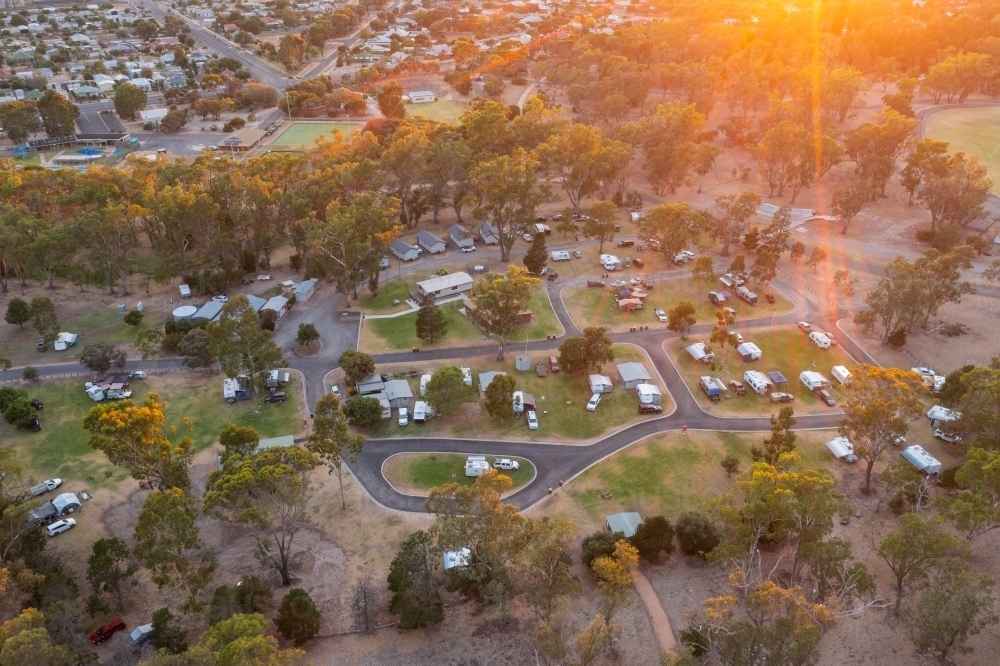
[[973, 130], [299, 137], [441, 110]]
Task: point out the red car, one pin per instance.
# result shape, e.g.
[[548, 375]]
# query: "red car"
[[107, 631]]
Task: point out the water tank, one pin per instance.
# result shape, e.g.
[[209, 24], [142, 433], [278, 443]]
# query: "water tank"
[[184, 313], [522, 362]]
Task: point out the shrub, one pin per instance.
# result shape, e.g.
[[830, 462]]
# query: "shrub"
[[946, 238], [171, 342], [133, 317], [925, 235], [295, 261], [268, 325], [731, 464], [897, 339], [30, 373], [947, 479], [363, 411], [598, 544], [307, 333], [696, 535], [298, 618], [170, 327], [653, 535]]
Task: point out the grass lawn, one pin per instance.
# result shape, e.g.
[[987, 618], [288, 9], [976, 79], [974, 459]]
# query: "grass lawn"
[[103, 325], [669, 474], [416, 473], [379, 335], [589, 306], [303, 136], [971, 130], [561, 399], [395, 290], [786, 349], [61, 449], [442, 110]]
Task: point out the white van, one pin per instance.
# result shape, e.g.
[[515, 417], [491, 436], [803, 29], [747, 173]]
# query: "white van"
[[476, 465], [560, 255], [841, 374], [404, 416], [421, 410], [819, 339], [424, 380]]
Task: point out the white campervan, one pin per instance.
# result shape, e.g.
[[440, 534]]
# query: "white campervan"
[[476, 465], [424, 380], [841, 374], [842, 449], [813, 380], [757, 381], [820, 340], [560, 255], [421, 410]]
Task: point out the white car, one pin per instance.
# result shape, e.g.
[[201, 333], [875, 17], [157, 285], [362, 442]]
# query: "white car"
[[946, 436], [336, 391], [263, 278], [470, 248], [595, 400], [528, 237], [660, 314], [404, 416], [506, 464], [60, 526], [619, 283], [221, 298], [739, 338], [578, 254], [532, 420], [924, 372], [137, 374], [636, 281]]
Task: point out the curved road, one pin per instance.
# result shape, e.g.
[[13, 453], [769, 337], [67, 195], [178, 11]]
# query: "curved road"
[[554, 461]]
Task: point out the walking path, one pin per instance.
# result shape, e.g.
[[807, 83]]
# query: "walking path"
[[658, 616]]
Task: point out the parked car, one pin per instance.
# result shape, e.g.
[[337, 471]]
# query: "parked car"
[[107, 631], [528, 237], [650, 409], [620, 283], [506, 464], [221, 298], [578, 254], [34, 424], [469, 248], [946, 436], [716, 297], [137, 374], [336, 391], [626, 243], [553, 364], [541, 218], [277, 396], [660, 314], [37, 404], [263, 278], [737, 387], [404, 416], [46, 486], [805, 326], [595, 400], [42, 345], [60, 526], [532, 420], [553, 276], [782, 397], [595, 283], [826, 397], [557, 217], [833, 340]]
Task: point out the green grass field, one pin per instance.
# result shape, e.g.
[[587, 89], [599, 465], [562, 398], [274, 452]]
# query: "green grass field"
[[105, 325], [972, 130], [441, 110], [302, 136], [61, 449], [400, 332], [787, 350], [589, 306], [673, 473], [419, 472]]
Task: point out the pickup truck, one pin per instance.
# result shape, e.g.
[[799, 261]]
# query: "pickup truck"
[[46, 486]]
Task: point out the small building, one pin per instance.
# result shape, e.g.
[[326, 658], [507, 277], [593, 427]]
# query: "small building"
[[242, 141], [303, 291], [917, 456], [430, 242], [939, 414], [600, 384], [371, 384], [403, 250], [208, 312], [276, 304], [484, 380], [633, 374], [153, 116], [649, 394], [629, 304], [422, 97], [624, 523], [698, 353], [443, 286], [256, 302], [398, 393], [489, 234], [748, 351], [460, 237]]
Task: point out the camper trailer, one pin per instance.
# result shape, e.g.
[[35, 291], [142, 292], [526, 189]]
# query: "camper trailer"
[[757, 381], [235, 388], [424, 380], [421, 410], [841, 374], [707, 384], [747, 295], [820, 340], [842, 449], [476, 465], [813, 380], [918, 457]]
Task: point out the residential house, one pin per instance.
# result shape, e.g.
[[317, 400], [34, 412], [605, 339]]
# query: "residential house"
[[489, 234], [276, 304], [460, 237], [633, 374], [443, 286], [403, 250], [430, 242]]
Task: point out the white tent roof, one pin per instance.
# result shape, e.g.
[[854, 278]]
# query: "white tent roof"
[[939, 413], [442, 282]]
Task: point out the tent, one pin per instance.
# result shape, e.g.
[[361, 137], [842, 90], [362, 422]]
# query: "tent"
[[697, 352]]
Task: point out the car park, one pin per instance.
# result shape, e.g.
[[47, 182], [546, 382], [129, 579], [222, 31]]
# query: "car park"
[[137, 374], [532, 420], [782, 397], [404, 416], [60, 526], [506, 464], [660, 314], [469, 248], [276, 397], [826, 397], [578, 254], [595, 400], [107, 631], [805, 326], [946, 436], [737, 387]]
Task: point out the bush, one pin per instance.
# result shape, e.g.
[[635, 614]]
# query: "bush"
[[167, 633], [295, 261], [307, 333], [362, 411], [925, 235], [696, 535], [897, 339], [947, 479], [598, 544], [298, 618], [234, 124], [133, 317], [171, 342], [694, 639], [170, 327], [731, 464], [653, 535], [946, 238], [268, 325], [30, 373]]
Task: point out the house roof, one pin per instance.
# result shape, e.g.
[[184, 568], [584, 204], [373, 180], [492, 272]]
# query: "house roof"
[[397, 388], [401, 246], [600, 379], [632, 371], [306, 287], [626, 523], [421, 93], [209, 311], [486, 377], [428, 237], [371, 384], [275, 303], [442, 282], [256, 302]]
